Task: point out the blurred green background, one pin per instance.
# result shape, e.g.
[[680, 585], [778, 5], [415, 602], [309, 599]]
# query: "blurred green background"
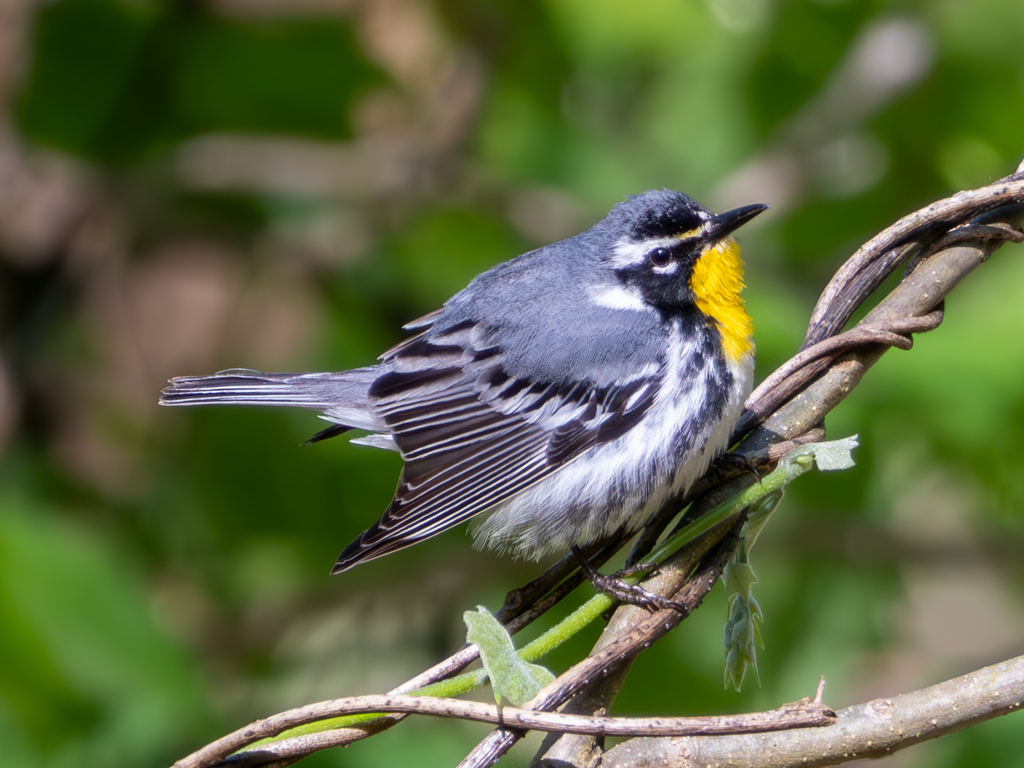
[[192, 186]]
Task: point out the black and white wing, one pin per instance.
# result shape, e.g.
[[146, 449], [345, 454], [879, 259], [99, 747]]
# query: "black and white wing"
[[474, 435]]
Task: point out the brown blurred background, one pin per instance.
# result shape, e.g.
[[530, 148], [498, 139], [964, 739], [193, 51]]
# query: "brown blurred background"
[[192, 186]]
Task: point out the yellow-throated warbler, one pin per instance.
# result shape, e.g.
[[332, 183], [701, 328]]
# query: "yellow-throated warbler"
[[562, 395]]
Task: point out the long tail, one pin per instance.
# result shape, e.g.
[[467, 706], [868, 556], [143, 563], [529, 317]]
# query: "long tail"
[[340, 397]]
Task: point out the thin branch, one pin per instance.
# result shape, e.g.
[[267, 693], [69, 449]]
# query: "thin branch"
[[287, 751], [910, 308], [874, 729], [805, 713], [797, 372], [878, 258], [630, 631], [916, 297]]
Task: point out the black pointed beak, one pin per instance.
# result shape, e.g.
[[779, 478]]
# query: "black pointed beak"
[[725, 224]]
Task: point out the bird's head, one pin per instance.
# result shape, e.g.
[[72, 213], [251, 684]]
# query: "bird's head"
[[671, 254]]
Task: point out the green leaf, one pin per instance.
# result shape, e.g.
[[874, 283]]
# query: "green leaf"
[[742, 634], [757, 517], [513, 680]]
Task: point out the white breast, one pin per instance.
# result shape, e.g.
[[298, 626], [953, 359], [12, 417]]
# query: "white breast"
[[625, 481]]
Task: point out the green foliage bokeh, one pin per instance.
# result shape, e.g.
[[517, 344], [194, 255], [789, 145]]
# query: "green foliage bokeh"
[[284, 187]]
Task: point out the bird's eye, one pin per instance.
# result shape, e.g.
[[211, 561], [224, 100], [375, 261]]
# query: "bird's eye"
[[659, 257]]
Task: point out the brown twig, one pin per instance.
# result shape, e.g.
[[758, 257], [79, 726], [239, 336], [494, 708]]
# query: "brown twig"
[[879, 257], [806, 713], [873, 729], [630, 631]]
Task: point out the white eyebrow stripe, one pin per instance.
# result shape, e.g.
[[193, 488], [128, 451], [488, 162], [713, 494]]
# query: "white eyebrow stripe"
[[620, 297], [626, 253]]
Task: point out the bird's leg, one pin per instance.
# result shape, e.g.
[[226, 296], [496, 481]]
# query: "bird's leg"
[[632, 594], [737, 463]]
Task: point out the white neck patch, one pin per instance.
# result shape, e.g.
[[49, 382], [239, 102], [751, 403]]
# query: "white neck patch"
[[620, 297]]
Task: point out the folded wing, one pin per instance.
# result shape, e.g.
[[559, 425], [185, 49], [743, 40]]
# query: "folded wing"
[[472, 436]]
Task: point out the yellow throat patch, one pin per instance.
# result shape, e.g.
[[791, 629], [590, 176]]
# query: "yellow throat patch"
[[717, 281]]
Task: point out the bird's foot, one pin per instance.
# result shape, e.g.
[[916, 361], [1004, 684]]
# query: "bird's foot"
[[631, 594]]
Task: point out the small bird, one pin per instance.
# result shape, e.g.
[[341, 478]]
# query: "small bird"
[[561, 396]]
